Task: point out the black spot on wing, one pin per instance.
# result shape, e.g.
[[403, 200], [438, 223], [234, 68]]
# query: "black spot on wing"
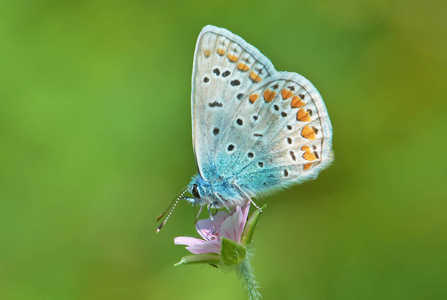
[[292, 154], [235, 82], [215, 104]]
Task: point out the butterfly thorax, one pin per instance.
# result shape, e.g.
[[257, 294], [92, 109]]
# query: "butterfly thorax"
[[217, 193]]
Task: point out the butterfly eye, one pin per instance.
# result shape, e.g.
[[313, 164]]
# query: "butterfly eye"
[[195, 191]]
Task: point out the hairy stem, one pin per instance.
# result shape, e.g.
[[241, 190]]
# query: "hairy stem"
[[251, 285]]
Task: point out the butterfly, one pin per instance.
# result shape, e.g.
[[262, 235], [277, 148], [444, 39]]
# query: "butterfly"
[[255, 130]]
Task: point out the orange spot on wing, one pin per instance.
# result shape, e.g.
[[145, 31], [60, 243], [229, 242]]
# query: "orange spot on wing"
[[253, 98], [307, 166], [221, 51], [207, 53], [286, 94], [242, 67], [255, 77], [232, 58], [305, 148], [269, 95], [308, 133], [307, 154], [297, 102], [303, 115]]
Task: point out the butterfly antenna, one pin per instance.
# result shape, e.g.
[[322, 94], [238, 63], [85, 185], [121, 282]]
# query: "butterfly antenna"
[[170, 208], [179, 194]]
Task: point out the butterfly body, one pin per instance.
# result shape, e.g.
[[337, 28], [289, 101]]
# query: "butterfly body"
[[255, 130], [217, 193]]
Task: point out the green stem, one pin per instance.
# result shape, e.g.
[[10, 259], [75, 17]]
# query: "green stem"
[[251, 285]]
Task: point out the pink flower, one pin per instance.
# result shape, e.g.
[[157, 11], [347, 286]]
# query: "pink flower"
[[225, 245], [229, 226]]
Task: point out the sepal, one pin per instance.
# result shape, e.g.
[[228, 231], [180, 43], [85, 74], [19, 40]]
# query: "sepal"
[[249, 229], [207, 258], [231, 252]]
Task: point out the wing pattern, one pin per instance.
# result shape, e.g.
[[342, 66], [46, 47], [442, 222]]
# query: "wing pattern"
[[252, 125]]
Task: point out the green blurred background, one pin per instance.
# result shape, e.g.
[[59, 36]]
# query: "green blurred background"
[[96, 141]]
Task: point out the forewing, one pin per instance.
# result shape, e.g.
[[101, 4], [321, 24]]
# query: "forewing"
[[226, 69]]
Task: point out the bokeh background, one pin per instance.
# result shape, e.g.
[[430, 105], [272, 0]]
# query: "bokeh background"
[[95, 141]]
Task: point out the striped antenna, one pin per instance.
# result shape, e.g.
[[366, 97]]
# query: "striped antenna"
[[170, 208]]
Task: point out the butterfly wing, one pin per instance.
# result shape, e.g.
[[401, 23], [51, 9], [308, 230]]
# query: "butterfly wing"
[[252, 125], [225, 70], [285, 136]]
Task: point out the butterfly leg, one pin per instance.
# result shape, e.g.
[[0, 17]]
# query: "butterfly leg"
[[246, 197], [222, 201], [198, 214], [211, 217]]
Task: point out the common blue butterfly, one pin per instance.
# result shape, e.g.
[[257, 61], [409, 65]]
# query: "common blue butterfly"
[[254, 129]]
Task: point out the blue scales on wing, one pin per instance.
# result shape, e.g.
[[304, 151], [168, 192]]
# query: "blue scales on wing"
[[253, 126]]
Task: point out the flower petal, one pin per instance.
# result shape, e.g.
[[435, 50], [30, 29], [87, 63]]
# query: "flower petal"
[[205, 227], [231, 226], [206, 247], [188, 241], [243, 219]]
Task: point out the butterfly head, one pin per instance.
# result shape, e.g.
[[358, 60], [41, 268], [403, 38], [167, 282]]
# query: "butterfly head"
[[201, 191], [195, 191]]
